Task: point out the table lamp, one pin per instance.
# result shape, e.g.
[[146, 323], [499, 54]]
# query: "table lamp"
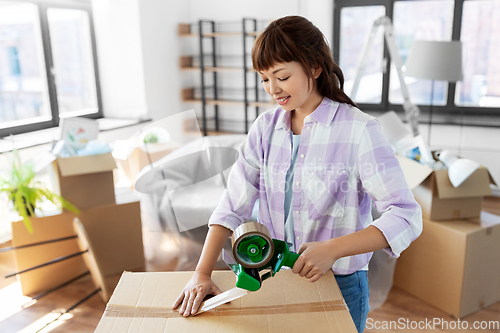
[[459, 169]]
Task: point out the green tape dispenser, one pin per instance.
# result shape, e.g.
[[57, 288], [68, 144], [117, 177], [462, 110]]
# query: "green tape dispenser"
[[253, 251]]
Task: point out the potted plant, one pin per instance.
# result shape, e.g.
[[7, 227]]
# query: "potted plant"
[[26, 193]]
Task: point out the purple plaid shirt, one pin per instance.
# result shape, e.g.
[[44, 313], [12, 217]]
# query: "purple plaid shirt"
[[343, 163]]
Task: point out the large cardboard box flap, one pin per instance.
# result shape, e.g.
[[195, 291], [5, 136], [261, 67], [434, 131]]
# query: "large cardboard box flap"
[[82, 165], [286, 303], [116, 234], [415, 173]]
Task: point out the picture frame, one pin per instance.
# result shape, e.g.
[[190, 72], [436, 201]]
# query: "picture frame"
[[416, 149], [77, 132]]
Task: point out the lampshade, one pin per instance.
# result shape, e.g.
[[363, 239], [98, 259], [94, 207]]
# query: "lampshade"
[[459, 169], [435, 60]]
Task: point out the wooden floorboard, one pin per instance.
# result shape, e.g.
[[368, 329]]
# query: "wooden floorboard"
[[403, 309], [86, 317]]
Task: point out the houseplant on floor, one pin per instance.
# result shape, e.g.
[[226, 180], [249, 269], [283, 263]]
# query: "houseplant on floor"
[[27, 194]]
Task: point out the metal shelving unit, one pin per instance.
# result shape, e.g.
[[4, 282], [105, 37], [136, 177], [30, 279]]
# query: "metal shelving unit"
[[249, 30]]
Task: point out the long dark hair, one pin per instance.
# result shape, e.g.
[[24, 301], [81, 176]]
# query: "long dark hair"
[[295, 38]]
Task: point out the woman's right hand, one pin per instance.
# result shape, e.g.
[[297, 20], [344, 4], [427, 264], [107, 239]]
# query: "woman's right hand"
[[194, 292]]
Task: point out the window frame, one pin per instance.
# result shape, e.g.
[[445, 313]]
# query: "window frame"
[[43, 7], [441, 113]]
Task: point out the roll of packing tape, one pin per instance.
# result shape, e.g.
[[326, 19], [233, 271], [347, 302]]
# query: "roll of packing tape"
[[247, 234]]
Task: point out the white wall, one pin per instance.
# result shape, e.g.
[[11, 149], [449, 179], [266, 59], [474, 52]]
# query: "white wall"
[[161, 51], [221, 10], [119, 53], [320, 12], [138, 47]]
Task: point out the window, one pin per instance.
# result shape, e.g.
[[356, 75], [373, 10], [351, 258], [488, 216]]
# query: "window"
[[24, 94], [420, 20], [481, 38], [474, 22], [47, 64], [72, 55], [356, 23]]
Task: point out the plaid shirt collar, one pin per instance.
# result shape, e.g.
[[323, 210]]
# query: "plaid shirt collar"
[[324, 114]]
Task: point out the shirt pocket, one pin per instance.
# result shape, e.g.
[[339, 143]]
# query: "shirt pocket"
[[326, 192]]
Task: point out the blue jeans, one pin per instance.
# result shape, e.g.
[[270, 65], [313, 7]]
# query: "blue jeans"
[[354, 288]]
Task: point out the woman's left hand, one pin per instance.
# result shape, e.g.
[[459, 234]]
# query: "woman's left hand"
[[314, 261]]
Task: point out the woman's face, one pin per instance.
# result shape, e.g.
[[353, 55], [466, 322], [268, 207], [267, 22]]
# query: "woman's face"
[[289, 85]]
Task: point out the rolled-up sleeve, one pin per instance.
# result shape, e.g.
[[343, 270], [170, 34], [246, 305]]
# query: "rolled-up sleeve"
[[238, 199], [383, 179]]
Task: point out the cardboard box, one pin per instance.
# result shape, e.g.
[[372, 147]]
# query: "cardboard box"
[[139, 159], [115, 232], [85, 181], [439, 199], [286, 303], [454, 265], [46, 228]]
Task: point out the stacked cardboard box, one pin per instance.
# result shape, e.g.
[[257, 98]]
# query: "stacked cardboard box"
[[115, 229], [452, 265]]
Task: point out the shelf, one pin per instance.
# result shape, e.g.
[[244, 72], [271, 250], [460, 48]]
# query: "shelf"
[[219, 56], [184, 30], [226, 102], [232, 89], [222, 34], [213, 97], [190, 126], [188, 97], [212, 34], [216, 69], [186, 64]]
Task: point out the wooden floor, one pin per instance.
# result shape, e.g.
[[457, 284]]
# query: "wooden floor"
[[85, 317]]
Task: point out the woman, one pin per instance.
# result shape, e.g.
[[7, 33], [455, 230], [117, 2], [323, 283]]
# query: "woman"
[[315, 163]]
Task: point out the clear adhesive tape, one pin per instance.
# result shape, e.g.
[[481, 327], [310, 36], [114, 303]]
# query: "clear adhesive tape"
[[246, 230], [227, 310]]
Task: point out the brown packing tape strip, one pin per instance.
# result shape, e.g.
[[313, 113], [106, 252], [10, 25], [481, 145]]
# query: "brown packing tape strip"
[[123, 311]]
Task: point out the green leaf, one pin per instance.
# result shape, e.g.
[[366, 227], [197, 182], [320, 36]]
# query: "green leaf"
[[26, 193]]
